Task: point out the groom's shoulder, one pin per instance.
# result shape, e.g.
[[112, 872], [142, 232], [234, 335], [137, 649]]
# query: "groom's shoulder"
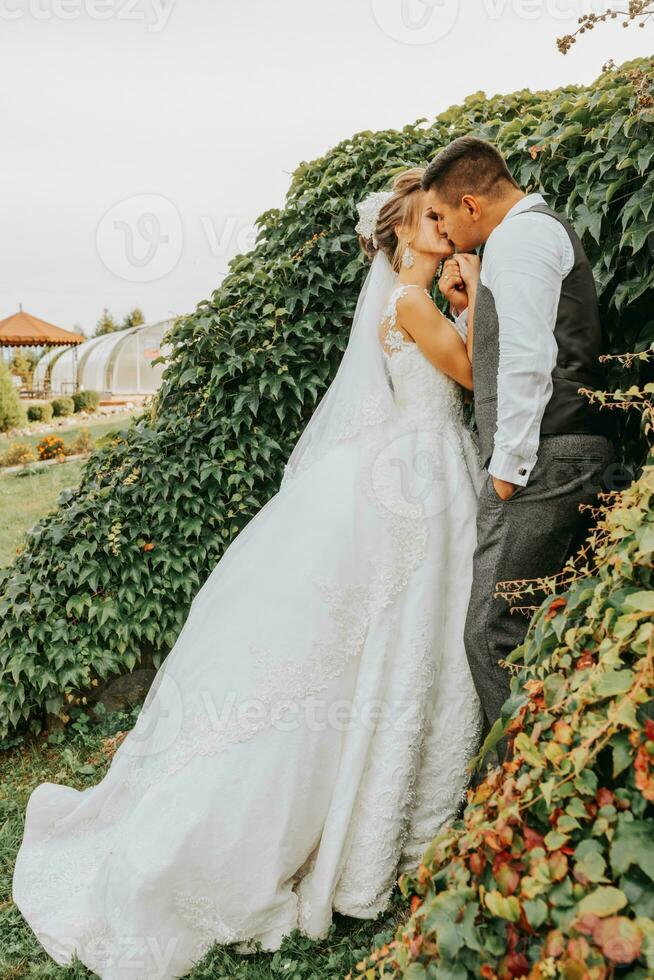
[[525, 229], [521, 225]]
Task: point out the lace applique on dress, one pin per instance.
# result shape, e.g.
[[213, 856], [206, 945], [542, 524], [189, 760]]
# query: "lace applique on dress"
[[394, 340], [427, 396]]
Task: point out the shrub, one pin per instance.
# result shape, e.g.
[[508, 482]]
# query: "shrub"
[[40, 413], [51, 447], [12, 413], [249, 365], [83, 442], [18, 453], [62, 406], [86, 401]]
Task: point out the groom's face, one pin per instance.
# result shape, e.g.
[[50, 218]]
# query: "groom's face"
[[459, 222]]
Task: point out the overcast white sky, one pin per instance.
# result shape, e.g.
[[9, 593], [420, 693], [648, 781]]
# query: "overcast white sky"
[[142, 137]]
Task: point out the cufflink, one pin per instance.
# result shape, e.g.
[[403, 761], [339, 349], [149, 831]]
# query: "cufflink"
[[522, 471]]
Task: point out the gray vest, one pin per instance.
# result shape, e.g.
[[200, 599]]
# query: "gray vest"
[[580, 339]]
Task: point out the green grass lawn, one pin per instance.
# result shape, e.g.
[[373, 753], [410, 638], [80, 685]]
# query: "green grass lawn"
[[96, 431], [28, 495], [79, 757]]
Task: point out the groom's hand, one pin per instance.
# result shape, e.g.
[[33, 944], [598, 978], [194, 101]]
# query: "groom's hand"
[[452, 286], [503, 488]]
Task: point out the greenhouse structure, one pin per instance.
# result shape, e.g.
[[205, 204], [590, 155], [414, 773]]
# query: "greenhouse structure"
[[117, 363]]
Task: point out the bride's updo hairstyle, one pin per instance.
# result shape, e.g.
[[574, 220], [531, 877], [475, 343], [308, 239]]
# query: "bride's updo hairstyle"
[[403, 208]]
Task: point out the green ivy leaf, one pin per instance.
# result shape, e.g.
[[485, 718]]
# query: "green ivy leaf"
[[503, 907], [632, 845], [604, 901]]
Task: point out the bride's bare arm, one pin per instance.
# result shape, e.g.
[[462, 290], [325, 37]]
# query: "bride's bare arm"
[[435, 335]]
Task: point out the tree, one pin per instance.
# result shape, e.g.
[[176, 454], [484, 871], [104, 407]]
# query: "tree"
[[106, 324], [22, 363], [133, 319], [11, 410]]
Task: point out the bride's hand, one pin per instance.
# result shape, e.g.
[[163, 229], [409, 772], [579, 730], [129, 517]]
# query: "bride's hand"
[[452, 287], [469, 268]]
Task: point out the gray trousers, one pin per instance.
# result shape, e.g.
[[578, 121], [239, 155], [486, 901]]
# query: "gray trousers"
[[531, 535]]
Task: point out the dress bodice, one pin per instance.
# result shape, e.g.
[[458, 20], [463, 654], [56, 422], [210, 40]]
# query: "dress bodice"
[[421, 389]]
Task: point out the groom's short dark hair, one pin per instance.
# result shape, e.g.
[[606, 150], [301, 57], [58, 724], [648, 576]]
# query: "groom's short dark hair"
[[468, 165]]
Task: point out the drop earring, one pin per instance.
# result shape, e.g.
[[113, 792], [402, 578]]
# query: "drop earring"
[[407, 258]]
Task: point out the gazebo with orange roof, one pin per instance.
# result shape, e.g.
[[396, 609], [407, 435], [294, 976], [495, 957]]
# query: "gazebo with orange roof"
[[24, 330]]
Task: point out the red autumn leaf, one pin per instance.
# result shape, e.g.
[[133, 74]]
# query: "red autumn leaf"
[[504, 857], [649, 729], [517, 965], [491, 840], [517, 724], [605, 797], [424, 874], [512, 937], [477, 863], [506, 834], [563, 732], [558, 864], [554, 944], [642, 767], [588, 923], [554, 606], [587, 659], [507, 879], [533, 838], [619, 938], [578, 949]]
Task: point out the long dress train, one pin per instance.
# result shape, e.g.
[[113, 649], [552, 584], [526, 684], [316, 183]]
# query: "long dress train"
[[308, 734]]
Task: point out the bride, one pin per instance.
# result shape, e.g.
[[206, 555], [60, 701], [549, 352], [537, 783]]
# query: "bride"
[[309, 732]]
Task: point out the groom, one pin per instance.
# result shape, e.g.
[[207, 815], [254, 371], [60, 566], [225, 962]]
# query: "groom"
[[536, 340]]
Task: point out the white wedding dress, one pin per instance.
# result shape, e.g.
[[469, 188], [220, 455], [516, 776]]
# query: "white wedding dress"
[[308, 734]]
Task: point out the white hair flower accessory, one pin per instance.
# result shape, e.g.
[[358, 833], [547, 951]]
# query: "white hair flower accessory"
[[369, 214]]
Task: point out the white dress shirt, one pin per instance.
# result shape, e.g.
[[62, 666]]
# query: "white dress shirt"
[[525, 261]]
